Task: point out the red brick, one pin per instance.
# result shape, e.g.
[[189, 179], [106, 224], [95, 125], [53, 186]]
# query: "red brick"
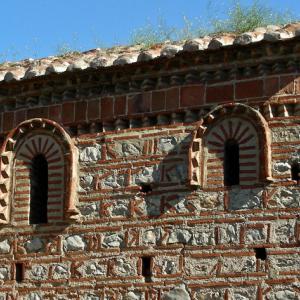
[[80, 111], [107, 107], [55, 113], [287, 85], [68, 112], [93, 110], [158, 101], [271, 86], [192, 95], [172, 98], [139, 103], [120, 106], [8, 120], [249, 89], [39, 112], [219, 93], [20, 116]]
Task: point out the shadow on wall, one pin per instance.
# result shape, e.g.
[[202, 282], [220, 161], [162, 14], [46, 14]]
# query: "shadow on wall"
[[164, 187]]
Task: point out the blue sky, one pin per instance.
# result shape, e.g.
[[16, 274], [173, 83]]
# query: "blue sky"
[[37, 28]]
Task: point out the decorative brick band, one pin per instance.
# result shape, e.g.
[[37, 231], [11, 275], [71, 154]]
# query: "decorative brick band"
[[32, 137]]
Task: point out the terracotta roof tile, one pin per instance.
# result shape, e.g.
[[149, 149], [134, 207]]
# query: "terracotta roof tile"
[[117, 56]]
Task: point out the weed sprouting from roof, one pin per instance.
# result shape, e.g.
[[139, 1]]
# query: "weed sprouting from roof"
[[241, 18], [238, 19]]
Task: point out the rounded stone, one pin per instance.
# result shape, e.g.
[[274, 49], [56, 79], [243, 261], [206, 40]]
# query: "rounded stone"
[[3, 273], [4, 247], [74, 243], [34, 245]]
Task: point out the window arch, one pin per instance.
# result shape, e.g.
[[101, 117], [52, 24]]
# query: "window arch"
[[231, 134], [38, 150]]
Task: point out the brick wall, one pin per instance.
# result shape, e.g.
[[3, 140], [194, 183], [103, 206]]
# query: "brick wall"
[[180, 98], [133, 192]]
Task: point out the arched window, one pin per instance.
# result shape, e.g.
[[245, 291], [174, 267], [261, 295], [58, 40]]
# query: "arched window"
[[230, 146], [38, 190], [231, 163], [295, 170], [38, 174]]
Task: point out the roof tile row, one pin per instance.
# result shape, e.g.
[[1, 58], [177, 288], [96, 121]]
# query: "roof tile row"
[[117, 56]]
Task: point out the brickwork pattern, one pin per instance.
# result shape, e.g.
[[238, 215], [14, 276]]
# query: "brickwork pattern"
[[32, 137], [246, 136], [32, 146], [206, 237], [230, 121], [175, 99], [203, 238]]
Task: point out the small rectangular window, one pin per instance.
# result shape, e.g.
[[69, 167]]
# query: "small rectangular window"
[[146, 267], [295, 170], [19, 272], [261, 253]]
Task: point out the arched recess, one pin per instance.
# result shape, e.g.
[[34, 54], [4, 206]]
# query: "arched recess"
[[30, 138], [237, 122]]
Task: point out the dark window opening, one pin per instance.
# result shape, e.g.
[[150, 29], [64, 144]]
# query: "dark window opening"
[[260, 253], [19, 272], [38, 190], [231, 163], [295, 170], [146, 267], [146, 188]]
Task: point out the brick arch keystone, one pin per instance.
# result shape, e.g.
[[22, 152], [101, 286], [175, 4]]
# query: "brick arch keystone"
[[229, 113], [46, 134]]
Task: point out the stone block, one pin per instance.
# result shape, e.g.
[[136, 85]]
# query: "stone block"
[[34, 245], [178, 293], [239, 265], [94, 269], [151, 236], [61, 271], [4, 273], [113, 240], [200, 266], [38, 272], [4, 247], [90, 154], [74, 243], [256, 236], [286, 197], [245, 198], [229, 234], [180, 236]]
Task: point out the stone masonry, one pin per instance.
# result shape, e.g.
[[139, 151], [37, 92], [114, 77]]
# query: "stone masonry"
[[134, 143]]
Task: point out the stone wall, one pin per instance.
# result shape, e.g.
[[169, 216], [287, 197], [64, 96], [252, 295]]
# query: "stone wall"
[[202, 244], [133, 195]]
